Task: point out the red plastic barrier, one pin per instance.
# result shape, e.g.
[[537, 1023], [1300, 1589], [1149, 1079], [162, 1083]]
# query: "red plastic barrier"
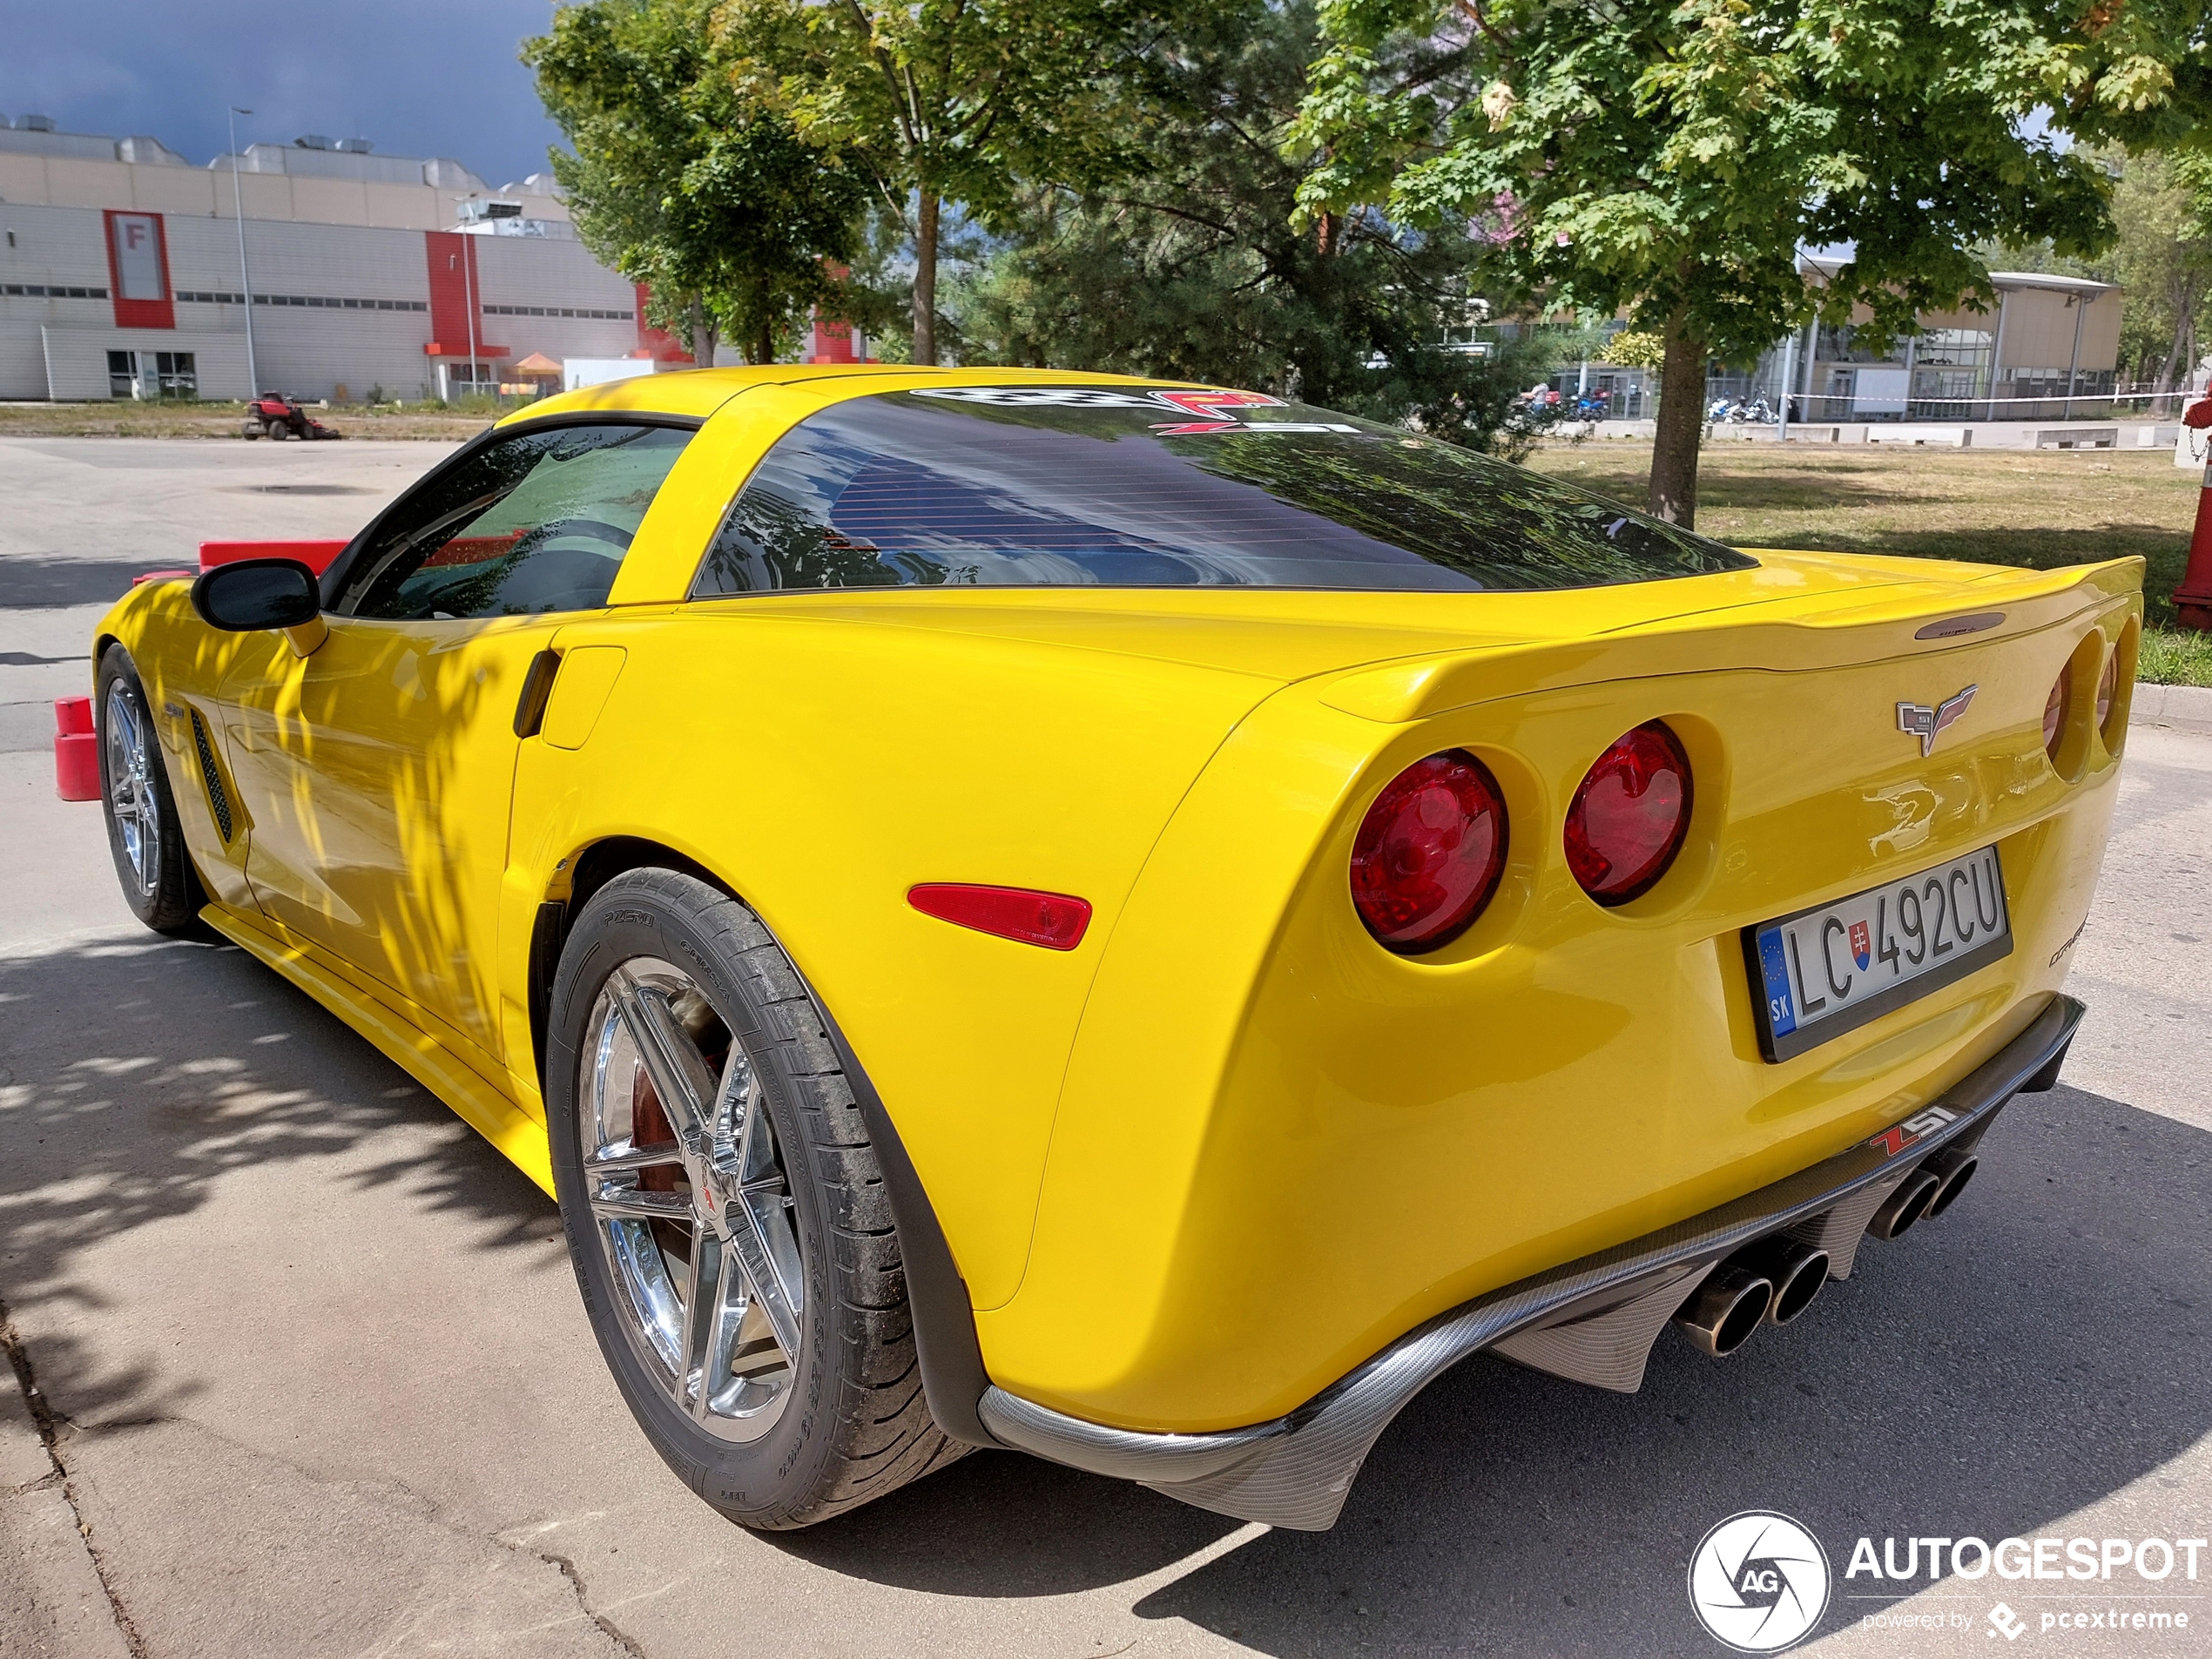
[[316, 555], [77, 749]]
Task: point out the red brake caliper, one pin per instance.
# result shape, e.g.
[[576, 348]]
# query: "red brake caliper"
[[649, 1126]]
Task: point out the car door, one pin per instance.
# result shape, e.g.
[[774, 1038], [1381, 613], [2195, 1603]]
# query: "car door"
[[379, 769]]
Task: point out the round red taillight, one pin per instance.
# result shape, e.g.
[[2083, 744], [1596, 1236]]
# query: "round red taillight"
[[2107, 689], [2054, 711], [1629, 815], [1430, 851]]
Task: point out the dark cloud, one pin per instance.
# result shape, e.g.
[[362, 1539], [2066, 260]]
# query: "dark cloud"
[[420, 78]]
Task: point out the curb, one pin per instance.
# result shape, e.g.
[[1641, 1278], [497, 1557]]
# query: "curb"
[[2187, 707]]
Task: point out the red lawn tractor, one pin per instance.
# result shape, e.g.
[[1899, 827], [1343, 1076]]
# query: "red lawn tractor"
[[274, 415]]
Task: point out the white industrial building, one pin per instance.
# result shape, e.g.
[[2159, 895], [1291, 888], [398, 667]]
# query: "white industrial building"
[[121, 273]]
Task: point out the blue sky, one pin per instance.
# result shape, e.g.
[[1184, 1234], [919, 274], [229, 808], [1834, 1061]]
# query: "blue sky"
[[418, 77]]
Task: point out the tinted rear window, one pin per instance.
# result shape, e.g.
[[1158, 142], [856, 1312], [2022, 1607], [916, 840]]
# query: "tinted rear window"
[[1128, 487]]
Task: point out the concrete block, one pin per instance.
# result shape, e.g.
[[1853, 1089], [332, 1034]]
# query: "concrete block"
[[2077, 437], [1950, 437], [2187, 707]]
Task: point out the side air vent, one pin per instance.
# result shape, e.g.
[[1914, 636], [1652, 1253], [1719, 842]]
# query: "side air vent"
[[218, 797]]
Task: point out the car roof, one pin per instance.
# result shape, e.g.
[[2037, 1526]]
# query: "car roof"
[[697, 393]]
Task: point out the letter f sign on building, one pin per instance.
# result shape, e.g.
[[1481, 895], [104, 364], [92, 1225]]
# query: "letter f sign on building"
[[137, 261]]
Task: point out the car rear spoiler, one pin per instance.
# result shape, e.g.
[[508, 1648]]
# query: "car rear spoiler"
[[1782, 634]]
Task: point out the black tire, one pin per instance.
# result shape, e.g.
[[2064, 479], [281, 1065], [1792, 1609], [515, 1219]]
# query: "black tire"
[[855, 1424], [159, 881]]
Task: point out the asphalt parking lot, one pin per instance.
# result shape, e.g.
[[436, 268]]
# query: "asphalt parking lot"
[[312, 1377]]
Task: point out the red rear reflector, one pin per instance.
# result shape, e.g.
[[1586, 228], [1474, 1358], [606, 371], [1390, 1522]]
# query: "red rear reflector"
[[1052, 920], [1429, 852], [2107, 689], [1629, 815]]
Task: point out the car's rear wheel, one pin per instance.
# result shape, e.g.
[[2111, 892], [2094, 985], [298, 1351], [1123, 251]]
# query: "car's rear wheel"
[[725, 1215], [156, 873]]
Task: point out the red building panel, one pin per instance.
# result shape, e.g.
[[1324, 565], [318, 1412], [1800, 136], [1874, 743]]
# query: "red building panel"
[[137, 269], [456, 296]]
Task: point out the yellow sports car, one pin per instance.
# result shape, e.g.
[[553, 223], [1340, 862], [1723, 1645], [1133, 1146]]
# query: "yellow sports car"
[[1125, 919]]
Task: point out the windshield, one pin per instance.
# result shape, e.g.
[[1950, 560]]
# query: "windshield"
[[1056, 486]]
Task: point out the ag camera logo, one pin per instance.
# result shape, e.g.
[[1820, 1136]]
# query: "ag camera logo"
[[1758, 1582]]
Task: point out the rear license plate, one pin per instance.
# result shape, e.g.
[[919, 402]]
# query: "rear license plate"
[[1826, 970]]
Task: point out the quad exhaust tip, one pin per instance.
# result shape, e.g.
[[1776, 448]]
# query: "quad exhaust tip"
[[1773, 1281], [1724, 1311], [1924, 1194], [1796, 1271], [1906, 1205], [1954, 1169]]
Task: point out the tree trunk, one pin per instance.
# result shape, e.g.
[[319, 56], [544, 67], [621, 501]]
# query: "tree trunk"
[[702, 334], [1682, 424], [764, 345], [926, 279]]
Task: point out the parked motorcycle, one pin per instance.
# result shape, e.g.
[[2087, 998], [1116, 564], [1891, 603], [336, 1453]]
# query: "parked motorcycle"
[[1757, 412]]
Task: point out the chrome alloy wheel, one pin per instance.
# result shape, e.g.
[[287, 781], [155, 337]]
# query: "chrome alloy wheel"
[[688, 1201], [130, 783]]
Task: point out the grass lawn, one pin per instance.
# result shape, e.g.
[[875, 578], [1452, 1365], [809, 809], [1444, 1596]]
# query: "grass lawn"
[[2038, 508], [124, 419]]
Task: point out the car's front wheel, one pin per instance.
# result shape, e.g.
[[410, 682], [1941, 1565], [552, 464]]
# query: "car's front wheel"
[[724, 1211]]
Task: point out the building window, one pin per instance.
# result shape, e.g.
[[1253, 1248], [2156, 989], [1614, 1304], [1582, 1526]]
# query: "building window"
[[178, 373], [1950, 370], [314, 299], [149, 375]]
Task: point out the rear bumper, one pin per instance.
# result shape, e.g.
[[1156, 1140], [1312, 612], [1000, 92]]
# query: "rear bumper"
[[1296, 1470]]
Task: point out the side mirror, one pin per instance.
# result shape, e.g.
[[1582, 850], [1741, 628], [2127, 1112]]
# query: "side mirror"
[[256, 594]]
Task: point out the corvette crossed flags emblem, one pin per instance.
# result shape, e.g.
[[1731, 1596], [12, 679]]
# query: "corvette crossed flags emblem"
[[1918, 720]]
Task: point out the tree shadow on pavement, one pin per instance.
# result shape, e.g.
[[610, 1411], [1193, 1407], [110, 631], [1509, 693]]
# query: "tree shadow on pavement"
[[136, 1074], [44, 583], [2041, 1346]]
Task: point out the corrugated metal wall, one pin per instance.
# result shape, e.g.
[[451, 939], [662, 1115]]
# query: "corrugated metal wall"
[[339, 306]]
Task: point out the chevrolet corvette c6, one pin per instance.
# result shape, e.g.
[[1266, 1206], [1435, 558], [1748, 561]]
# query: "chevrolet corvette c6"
[[1124, 919]]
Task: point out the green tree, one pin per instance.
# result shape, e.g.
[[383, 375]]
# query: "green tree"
[[2162, 207], [679, 180], [2161, 259], [1668, 158], [1190, 267], [942, 101]]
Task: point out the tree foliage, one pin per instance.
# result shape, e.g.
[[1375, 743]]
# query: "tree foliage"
[[942, 101], [1190, 266], [2162, 207], [679, 179], [1668, 158]]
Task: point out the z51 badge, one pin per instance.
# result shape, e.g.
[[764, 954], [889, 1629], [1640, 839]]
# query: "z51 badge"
[[1912, 1130]]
